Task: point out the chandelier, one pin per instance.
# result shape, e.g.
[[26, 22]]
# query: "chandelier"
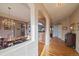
[[8, 22]]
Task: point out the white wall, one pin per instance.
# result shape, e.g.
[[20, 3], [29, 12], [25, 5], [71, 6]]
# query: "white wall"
[[57, 31], [65, 23]]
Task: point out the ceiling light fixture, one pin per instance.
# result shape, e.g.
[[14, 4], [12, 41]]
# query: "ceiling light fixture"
[[59, 4], [7, 21]]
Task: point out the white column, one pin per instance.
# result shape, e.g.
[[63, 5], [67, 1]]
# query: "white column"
[[34, 22], [34, 28], [47, 35]]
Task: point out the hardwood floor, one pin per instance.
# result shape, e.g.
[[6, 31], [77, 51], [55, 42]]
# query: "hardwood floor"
[[58, 48], [40, 47], [41, 42]]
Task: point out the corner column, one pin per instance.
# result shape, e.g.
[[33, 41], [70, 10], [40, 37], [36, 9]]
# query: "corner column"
[[34, 28], [47, 34]]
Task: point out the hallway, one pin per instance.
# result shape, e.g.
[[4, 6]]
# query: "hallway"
[[26, 29], [58, 48]]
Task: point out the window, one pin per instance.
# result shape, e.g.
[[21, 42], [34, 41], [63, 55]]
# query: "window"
[[41, 27]]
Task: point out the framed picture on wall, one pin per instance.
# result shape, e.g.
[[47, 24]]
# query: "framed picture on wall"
[[64, 27], [72, 27]]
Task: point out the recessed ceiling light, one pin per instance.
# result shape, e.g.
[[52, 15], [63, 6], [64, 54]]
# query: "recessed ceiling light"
[[59, 4]]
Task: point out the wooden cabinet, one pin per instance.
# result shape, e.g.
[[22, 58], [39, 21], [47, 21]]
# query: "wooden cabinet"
[[70, 39]]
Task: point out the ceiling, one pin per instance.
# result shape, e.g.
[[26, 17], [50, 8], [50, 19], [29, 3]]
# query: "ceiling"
[[22, 12], [19, 11], [59, 11]]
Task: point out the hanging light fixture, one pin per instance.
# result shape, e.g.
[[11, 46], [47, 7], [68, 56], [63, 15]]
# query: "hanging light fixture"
[[9, 20], [6, 22], [9, 10]]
